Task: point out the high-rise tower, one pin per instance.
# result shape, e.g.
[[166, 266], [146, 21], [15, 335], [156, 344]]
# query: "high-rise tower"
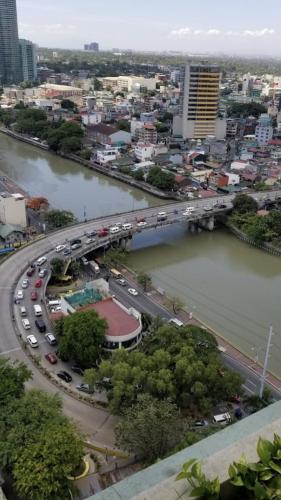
[[27, 60], [199, 103], [10, 71]]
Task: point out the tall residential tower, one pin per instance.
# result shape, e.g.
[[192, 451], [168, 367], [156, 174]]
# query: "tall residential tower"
[[199, 103], [28, 60], [10, 71]]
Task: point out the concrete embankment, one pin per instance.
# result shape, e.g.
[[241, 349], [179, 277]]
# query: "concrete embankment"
[[262, 246]]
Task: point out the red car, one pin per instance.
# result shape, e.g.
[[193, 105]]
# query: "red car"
[[235, 398], [34, 295], [141, 219], [51, 357], [38, 283], [30, 271], [102, 233]]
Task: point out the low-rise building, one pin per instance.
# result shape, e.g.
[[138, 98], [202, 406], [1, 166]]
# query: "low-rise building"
[[108, 135], [144, 151], [13, 209], [106, 155], [147, 134]]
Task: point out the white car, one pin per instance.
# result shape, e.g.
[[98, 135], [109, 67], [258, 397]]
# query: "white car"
[[51, 339], [25, 283], [121, 282], [60, 248], [127, 226], [207, 208], [19, 294], [90, 240], [142, 224], [43, 273], [32, 340], [26, 324], [132, 291]]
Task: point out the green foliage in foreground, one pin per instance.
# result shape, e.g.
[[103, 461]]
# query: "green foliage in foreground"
[[180, 364], [59, 218], [39, 446], [254, 481]]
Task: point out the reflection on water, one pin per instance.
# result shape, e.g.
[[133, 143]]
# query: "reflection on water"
[[66, 184], [231, 286]]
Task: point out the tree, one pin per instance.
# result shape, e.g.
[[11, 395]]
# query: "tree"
[[97, 84], [12, 379], [162, 180], [59, 218], [150, 428], [174, 303], [70, 144], [144, 280], [138, 174], [44, 465], [243, 203], [123, 125], [244, 110], [83, 337], [115, 257], [57, 266]]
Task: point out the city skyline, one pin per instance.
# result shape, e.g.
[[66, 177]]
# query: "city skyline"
[[246, 30]]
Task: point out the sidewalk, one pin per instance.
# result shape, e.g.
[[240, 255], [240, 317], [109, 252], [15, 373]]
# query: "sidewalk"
[[230, 349]]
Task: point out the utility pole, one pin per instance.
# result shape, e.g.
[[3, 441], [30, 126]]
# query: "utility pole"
[[263, 377]]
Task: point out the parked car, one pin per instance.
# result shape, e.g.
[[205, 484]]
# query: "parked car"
[[85, 388], [235, 398], [132, 291], [201, 423], [60, 248], [42, 273], [77, 369], [19, 295], [31, 339], [51, 339], [64, 376], [51, 357], [34, 295], [30, 272], [38, 283]]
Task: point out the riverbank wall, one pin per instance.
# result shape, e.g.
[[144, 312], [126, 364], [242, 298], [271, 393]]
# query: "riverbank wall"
[[97, 168], [243, 237]]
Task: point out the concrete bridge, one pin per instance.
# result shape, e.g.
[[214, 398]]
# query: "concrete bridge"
[[203, 215]]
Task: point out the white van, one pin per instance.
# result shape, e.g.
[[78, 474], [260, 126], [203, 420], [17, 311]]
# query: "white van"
[[54, 303], [162, 216], [223, 418], [176, 322], [37, 310], [23, 312], [127, 226], [26, 324], [115, 229], [41, 261]]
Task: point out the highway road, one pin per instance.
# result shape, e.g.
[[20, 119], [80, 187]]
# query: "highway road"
[[95, 422]]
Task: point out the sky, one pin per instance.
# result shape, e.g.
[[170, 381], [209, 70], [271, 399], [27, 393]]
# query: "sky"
[[243, 27]]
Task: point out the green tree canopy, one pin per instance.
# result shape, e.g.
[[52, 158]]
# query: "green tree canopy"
[[243, 203], [237, 110], [82, 338], [144, 280], [12, 379], [174, 303], [68, 104], [181, 364], [160, 179], [57, 266], [70, 144], [59, 218], [150, 428]]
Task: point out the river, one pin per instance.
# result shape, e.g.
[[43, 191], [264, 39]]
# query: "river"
[[231, 286], [66, 184]]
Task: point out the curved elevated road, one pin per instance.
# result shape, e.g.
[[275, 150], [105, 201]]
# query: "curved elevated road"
[[95, 422]]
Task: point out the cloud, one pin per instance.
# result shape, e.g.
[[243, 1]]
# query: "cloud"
[[259, 33], [188, 32]]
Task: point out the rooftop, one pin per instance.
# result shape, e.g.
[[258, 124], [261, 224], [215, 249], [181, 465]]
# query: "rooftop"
[[102, 128], [120, 323]]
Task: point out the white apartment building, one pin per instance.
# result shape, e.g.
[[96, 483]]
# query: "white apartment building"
[[264, 130], [144, 151], [13, 209], [91, 118], [105, 156], [199, 103], [128, 83]]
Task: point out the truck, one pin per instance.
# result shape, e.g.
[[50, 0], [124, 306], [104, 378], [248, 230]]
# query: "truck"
[[94, 266]]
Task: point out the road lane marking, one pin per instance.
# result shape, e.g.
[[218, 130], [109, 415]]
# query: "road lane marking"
[[11, 350]]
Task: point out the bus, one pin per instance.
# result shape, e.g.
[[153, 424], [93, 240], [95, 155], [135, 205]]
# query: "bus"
[[115, 274]]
